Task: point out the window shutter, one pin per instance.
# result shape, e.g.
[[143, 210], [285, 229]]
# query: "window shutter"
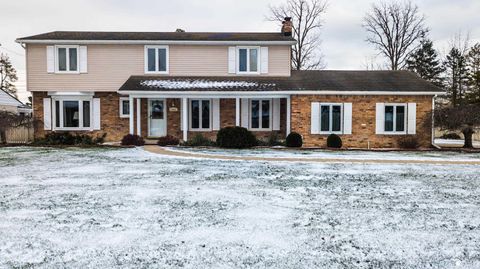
[[47, 114], [96, 114], [50, 59], [232, 55], [245, 113], [264, 60], [216, 114], [83, 59], [315, 118], [412, 118], [276, 114], [380, 118], [347, 118]]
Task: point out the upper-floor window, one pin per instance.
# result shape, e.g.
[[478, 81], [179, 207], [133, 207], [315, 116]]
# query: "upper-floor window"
[[67, 59], [156, 59], [248, 60], [395, 118]]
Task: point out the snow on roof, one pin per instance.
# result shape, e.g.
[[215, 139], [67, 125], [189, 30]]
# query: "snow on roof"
[[198, 84]]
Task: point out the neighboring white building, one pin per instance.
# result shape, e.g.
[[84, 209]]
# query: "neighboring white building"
[[10, 103]]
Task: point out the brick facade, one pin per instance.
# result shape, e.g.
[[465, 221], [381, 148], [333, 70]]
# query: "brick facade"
[[363, 120]]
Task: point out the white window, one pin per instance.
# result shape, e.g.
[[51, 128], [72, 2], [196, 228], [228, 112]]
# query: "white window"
[[248, 59], [67, 59], [124, 107], [260, 114], [331, 118], [395, 118], [156, 59], [200, 115], [73, 113]]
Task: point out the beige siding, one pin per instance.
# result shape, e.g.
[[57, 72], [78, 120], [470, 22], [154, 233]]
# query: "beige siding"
[[109, 66]]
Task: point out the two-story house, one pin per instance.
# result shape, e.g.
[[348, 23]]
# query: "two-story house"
[[180, 84]]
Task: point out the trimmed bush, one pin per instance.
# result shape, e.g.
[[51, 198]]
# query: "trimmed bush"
[[69, 139], [294, 140], [334, 141], [199, 141], [409, 142], [451, 136], [168, 141], [236, 137], [132, 140]]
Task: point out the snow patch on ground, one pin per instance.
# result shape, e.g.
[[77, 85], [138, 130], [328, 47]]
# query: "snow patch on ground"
[[103, 208]]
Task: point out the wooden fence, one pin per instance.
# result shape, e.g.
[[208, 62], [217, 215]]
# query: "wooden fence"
[[19, 135]]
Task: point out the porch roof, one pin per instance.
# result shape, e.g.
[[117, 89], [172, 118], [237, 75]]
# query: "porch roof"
[[341, 82]]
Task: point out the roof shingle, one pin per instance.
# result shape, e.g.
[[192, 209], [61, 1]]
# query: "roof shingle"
[[368, 81]]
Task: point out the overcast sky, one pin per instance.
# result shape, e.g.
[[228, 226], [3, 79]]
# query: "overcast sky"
[[343, 37]]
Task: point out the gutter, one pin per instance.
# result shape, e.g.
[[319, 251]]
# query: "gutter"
[[433, 123], [153, 42]]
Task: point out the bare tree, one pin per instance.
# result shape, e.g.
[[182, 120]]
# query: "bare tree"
[[8, 75], [463, 118], [307, 22], [394, 28]]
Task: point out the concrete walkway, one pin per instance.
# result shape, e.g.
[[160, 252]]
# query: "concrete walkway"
[[175, 153]]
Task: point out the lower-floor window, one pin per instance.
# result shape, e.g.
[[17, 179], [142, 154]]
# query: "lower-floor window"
[[200, 114], [124, 107], [331, 118], [395, 118], [72, 114], [260, 111]]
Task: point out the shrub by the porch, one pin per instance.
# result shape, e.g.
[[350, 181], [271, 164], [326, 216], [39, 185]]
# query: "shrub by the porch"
[[294, 140], [409, 142], [132, 140], [235, 137], [334, 141], [168, 141], [199, 141]]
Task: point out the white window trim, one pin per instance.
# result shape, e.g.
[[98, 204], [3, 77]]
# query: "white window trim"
[[167, 54], [122, 115], [248, 60], [80, 113], [67, 47], [330, 116], [200, 116], [260, 115], [394, 132]]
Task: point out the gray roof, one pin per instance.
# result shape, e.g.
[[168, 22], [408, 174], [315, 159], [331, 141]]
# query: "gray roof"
[[154, 36], [368, 81]]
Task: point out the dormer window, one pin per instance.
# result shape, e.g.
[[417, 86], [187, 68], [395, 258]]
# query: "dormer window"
[[67, 59], [248, 60], [156, 59]]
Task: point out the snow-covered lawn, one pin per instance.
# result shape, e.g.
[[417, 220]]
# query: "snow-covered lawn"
[[97, 208]]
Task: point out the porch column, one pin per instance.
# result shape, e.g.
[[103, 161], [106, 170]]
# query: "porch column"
[[130, 118], [237, 111], [139, 116], [289, 108], [185, 119]]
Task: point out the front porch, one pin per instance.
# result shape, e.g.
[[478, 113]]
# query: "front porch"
[[184, 116]]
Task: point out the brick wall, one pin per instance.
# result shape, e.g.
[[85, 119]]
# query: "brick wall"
[[363, 120]]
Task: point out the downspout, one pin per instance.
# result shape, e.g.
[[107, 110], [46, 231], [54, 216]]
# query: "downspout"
[[433, 124]]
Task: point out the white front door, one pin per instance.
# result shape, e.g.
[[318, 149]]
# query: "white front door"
[[157, 118]]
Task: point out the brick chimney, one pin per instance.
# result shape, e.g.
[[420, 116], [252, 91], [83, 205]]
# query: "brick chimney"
[[287, 26]]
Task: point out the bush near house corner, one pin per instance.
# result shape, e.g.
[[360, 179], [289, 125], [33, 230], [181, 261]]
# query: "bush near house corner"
[[409, 142], [334, 141], [294, 140], [68, 139], [132, 140], [168, 141], [236, 137], [199, 141]]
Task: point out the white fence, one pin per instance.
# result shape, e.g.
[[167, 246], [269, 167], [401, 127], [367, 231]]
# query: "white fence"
[[19, 135]]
